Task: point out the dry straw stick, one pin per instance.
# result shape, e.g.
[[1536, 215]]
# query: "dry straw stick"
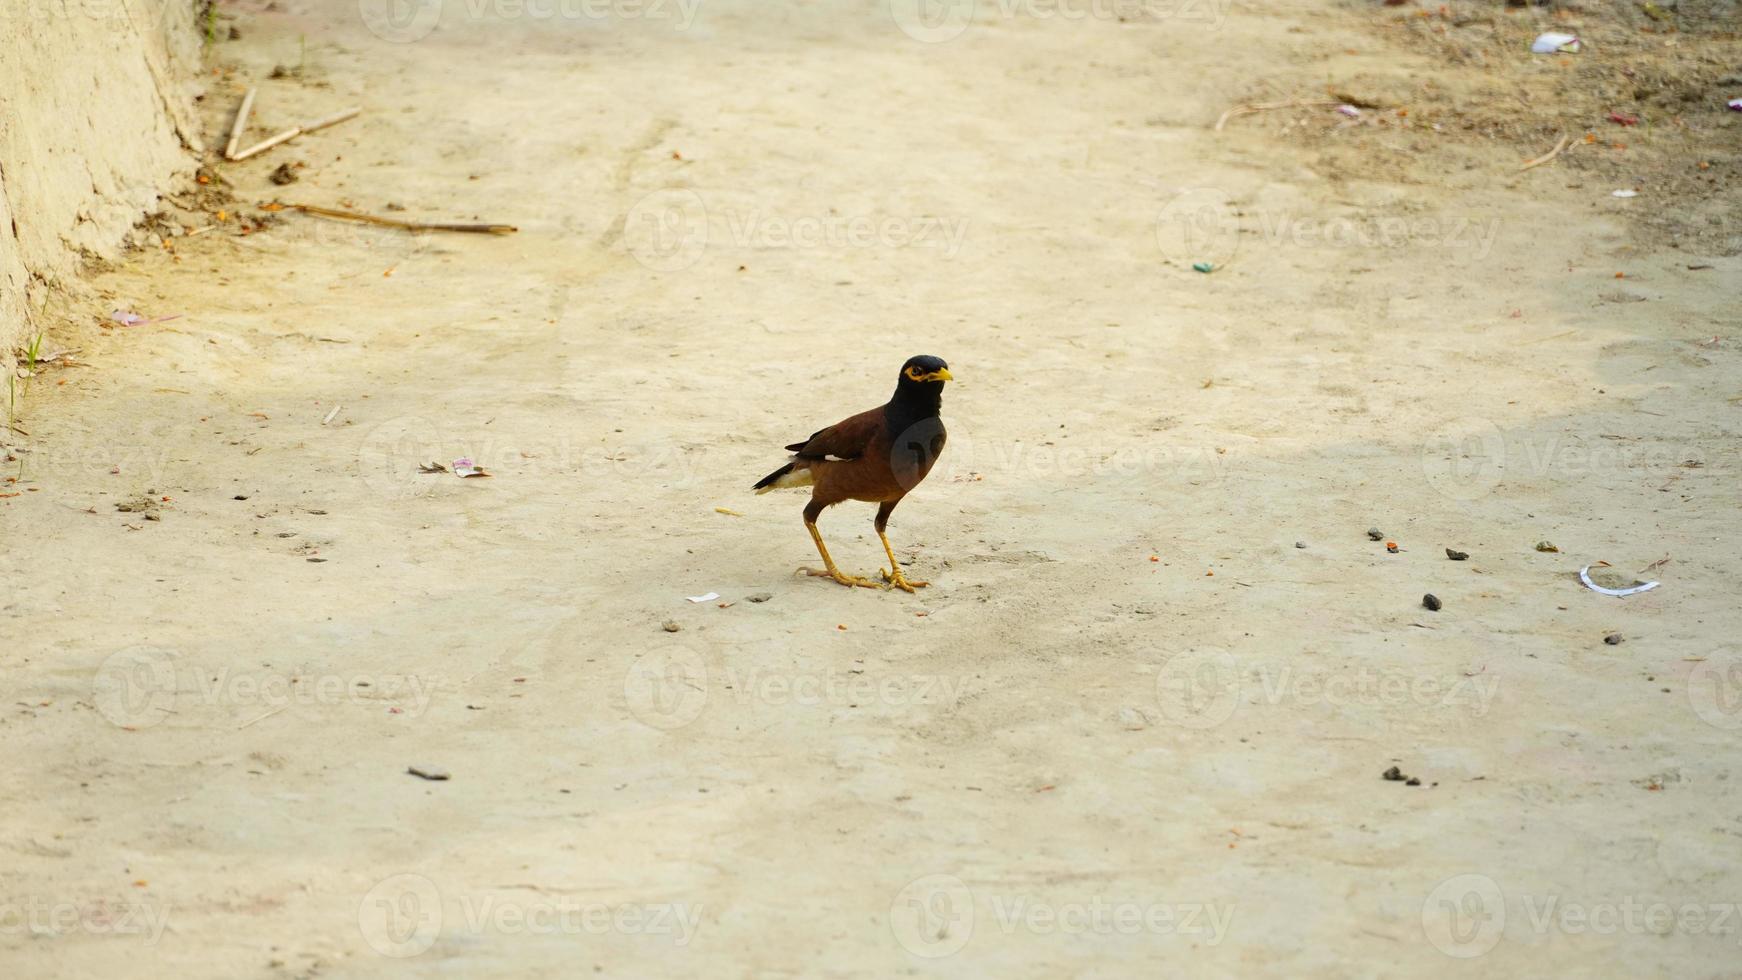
[[295, 131], [1546, 157], [482, 229], [240, 124]]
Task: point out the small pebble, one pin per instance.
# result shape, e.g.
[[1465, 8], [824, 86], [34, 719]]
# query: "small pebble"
[[1546, 546], [1614, 639], [1457, 555], [671, 626], [1412, 781], [1300, 544], [1431, 601], [1132, 720], [1392, 775], [760, 597], [1375, 534]]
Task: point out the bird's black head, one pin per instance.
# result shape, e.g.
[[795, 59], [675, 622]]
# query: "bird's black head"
[[924, 371]]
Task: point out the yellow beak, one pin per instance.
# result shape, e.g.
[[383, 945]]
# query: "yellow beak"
[[941, 374]]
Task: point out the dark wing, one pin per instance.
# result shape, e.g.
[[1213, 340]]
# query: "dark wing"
[[846, 439]]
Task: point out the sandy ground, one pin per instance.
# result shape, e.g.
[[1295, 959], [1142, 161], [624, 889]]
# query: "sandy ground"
[[1133, 728]]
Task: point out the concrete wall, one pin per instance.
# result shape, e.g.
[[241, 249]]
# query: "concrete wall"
[[96, 116]]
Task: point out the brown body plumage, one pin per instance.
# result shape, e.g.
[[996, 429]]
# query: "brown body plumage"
[[876, 456]]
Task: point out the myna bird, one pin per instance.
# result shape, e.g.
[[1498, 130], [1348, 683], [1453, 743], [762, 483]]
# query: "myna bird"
[[875, 456]]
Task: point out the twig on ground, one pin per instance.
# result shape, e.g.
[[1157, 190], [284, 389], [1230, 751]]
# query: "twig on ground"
[[239, 125], [295, 131], [1247, 110], [1546, 157], [482, 229]]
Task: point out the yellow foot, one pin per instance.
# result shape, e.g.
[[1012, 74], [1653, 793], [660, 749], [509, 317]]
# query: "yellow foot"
[[842, 577], [901, 582]]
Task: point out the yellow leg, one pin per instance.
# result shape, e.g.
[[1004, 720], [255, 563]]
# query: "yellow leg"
[[894, 576], [831, 571]]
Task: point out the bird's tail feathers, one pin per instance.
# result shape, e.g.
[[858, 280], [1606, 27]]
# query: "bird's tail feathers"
[[784, 478]]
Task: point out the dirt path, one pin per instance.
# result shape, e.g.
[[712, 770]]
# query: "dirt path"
[[1132, 728]]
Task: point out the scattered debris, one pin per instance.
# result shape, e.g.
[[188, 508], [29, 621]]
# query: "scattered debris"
[[670, 626], [1204, 267], [1624, 192], [1614, 639], [431, 773], [1547, 547], [1736, 105], [293, 132], [1553, 42], [431, 468], [465, 469], [285, 174], [1300, 544], [1585, 577], [1246, 110], [127, 318], [332, 415], [240, 124], [1349, 110], [1374, 534], [1432, 602], [1546, 157], [1391, 546], [1457, 555], [710, 597], [482, 229], [1132, 720], [1395, 775], [729, 512], [1624, 120]]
